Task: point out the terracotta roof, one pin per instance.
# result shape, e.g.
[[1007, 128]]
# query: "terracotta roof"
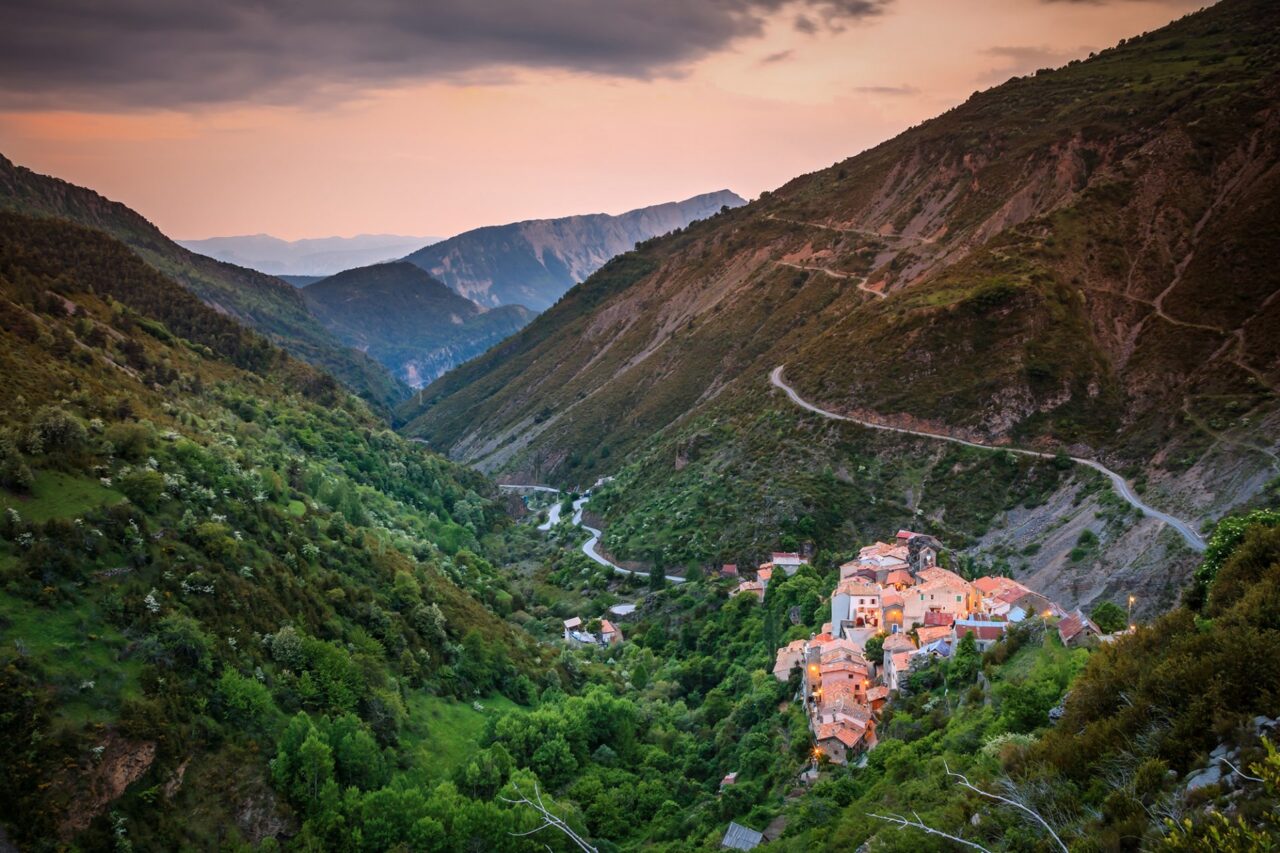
[[848, 733], [729, 569], [878, 692], [891, 598], [856, 587], [786, 555], [838, 694], [899, 576], [1073, 625], [995, 584], [901, 660], [898, 642], [575, 622], [980, 630], [607, 627], [929, 633], [934, 574], [764, 574], [907, 534], [844, 662], [937, 617]]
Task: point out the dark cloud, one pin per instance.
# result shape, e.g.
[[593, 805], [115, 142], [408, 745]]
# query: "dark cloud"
[[1186, 3], [780, 56], [174, 53], [886, 90]]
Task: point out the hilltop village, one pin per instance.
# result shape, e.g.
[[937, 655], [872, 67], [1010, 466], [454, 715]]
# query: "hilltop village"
[[894, 599]]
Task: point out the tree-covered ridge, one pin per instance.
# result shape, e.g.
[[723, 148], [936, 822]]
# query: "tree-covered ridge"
[[413, 324], [262, 302], [202, 535]]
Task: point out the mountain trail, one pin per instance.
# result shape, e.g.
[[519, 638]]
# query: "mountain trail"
[[861, 282], [1121, 485]]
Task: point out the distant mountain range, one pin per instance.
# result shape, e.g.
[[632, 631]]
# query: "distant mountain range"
[[382, 327], [318, 256], [411, 323], [533, 263]]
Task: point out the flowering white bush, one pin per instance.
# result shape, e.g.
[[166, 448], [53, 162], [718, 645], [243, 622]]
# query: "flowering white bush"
[[152, 603]]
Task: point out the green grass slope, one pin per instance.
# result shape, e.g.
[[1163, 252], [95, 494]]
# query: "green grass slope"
[[201, 536]]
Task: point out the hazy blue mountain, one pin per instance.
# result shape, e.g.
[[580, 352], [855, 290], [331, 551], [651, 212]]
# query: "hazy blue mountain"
[[535, 262], [319, 256]]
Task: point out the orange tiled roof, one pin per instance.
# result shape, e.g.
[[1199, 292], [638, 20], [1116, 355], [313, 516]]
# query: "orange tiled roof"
[[929, 634], [934, 574], [853, 586], [898, 642]]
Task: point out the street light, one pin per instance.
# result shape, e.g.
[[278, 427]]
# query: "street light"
[[1130, 620]]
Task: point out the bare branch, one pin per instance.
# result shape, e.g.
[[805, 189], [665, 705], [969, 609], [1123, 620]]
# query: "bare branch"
[[1240, 772], [964, 781], [548, 818], [904, 823]]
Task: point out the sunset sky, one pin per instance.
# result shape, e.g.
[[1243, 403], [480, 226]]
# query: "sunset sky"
[[307, 119]]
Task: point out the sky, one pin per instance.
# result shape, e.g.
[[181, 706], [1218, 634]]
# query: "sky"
[[311, 118]]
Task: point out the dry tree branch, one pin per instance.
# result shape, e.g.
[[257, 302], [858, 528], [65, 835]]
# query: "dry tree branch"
[[964, 782], [548, 818], [1240, 772], [903, 823]]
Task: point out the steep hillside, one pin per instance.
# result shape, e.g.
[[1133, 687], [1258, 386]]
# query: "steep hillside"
[[412, 324], [260, 301], [534, 262], [199, 537], [1078, 259], [315, 256]]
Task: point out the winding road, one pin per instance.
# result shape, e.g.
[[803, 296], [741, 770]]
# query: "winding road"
[[589, 547], [1121, 485]]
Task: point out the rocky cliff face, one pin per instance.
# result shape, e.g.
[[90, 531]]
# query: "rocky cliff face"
[[533, 263]]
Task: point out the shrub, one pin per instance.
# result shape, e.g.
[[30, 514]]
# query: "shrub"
[[55, 430], [143, 487]]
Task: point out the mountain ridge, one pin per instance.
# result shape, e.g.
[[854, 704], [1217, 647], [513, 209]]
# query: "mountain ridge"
[[1046, 264], [262, 302], [308, 256], [534, 261], [411, 323]]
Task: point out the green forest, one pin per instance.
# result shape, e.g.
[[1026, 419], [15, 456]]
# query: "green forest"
[[240, 612]]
